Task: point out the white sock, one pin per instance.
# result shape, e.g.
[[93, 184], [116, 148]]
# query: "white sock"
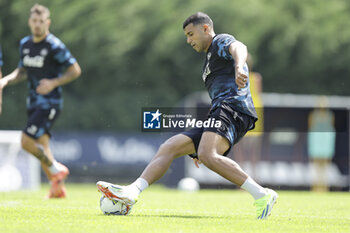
[[140, 184], [54, 167], [253, 188]]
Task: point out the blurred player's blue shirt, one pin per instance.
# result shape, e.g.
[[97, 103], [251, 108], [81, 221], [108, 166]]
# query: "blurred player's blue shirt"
[[48, 59], [1, 63], [219, 77]]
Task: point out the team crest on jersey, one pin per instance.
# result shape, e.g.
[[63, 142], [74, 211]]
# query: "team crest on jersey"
[[25, 51], [44, 52]]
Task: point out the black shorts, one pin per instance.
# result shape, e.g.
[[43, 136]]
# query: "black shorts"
[[40, 121], [234, 125]]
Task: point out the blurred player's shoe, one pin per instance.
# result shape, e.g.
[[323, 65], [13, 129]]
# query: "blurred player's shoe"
[[57, 190], [61, 175], [120, 193], [264, 205]]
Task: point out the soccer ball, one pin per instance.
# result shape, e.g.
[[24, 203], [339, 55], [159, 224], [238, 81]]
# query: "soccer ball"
[[188, 184], [113, 207]]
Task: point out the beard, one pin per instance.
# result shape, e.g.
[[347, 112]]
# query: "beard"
[[37, 32]]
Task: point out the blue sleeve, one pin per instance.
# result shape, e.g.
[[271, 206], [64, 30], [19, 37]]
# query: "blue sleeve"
[[61, 54], [222, 44], [20, 63], [64, 57]]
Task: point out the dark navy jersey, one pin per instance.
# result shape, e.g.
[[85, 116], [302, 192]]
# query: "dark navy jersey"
[[1, 63], [219, 77], [48, 59]]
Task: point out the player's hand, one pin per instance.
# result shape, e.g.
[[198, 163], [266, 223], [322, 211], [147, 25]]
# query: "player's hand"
[[196, 162], [241, 77], [46, 86]]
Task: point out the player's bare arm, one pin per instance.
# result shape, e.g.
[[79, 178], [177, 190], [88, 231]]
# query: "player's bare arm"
[[239, 53], [18, 75], [47, 85]]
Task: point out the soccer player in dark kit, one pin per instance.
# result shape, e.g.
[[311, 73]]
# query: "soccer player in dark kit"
[[47, 65], [226, 76]]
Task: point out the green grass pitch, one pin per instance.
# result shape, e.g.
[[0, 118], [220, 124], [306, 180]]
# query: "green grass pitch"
[[167, 210]]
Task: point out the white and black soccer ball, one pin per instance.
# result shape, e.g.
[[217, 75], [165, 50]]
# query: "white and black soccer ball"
[[113, 207]]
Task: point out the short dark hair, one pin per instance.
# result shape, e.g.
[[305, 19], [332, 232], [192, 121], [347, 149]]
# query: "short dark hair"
[[198, 18], [40, 10]]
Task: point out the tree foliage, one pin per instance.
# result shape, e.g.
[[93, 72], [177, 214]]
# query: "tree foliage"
[[134, 54]]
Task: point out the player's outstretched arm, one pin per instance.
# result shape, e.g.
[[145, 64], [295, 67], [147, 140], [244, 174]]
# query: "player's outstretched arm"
[[47, 85], [18, 75]]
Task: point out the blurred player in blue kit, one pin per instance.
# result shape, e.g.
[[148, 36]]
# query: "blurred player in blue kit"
[[225, 75], [47, 65]]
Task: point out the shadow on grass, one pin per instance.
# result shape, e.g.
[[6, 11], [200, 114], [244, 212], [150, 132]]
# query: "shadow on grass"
[[165, 216], [178, 216]]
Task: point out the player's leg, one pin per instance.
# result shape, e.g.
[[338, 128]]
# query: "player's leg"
[[173, 148], [210, 152], [47, 152], [55, 172], [215, 142], [35, 140], [30, 145], [46, 170], [57, 184], [211, 148], [34, 129]]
